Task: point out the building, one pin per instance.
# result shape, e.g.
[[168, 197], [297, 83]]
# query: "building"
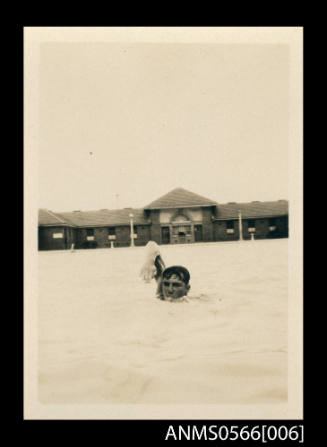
[[54, 233], [179, 216]]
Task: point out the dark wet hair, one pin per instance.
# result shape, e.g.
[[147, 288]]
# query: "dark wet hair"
[[182, 273]]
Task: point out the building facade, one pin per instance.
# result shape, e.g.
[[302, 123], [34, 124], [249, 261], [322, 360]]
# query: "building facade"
[[179, 217]]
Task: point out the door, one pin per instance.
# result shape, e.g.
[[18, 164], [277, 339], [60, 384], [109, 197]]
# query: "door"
[[182, 234], [181, 237], [198, 233], [165, 235]]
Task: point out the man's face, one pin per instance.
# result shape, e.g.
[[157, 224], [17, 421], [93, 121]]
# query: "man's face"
[[174, 287]]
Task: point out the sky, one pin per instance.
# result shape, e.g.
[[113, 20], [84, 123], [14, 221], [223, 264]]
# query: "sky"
[[121, 124]]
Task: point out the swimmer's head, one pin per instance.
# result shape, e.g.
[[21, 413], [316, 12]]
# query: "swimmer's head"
[[175, 282]]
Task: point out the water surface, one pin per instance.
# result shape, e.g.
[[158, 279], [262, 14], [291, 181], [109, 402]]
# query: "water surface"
[[105, 338]]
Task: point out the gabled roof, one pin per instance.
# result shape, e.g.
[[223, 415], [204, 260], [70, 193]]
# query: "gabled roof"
[[104, 217], [252, 209], [47, 217], [179, 198]]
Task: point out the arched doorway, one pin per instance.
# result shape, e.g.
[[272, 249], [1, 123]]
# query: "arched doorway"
[[181, 229]]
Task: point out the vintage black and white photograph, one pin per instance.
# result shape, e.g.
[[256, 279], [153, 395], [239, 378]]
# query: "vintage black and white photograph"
[[163, 233]]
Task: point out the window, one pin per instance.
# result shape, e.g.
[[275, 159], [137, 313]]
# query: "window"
[[180, 218], [111, 233], [272, 224], [57, 236], [251, 226], [230, 227], [90, 234]]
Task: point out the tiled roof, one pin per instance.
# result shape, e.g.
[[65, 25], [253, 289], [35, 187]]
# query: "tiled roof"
[[47, 217], [178, 198], [252, 209], [104, 217]]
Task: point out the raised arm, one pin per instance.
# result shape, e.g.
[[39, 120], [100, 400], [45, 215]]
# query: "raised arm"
[[153, 266]]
